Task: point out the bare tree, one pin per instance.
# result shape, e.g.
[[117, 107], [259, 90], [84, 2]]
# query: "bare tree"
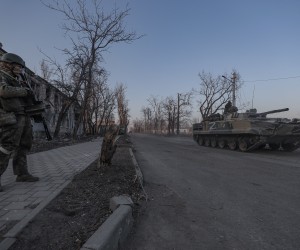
[[91, 32], [170, 108], [138, 126], [109, 105], [147, 114], [215, 92], [104, 104], [163, 115], [96, 108], [184, 106], [69, 80], [156, 109], [122, 103]]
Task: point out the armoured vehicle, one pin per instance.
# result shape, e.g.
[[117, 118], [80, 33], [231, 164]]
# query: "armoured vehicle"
[[248, 131]]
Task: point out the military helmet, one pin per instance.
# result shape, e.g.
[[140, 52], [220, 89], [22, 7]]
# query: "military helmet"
[[12, 58]]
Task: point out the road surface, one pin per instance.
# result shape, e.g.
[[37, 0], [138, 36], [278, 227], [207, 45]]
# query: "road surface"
[[206, 198]]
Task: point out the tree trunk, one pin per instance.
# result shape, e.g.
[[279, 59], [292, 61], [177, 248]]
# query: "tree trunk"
[[60, 118]]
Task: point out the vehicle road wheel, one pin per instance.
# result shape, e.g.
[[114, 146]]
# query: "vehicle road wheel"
[[262, 146], [289, 147], [207, 142], [221, 143], [232, 144], [243, 144], [274, 146], [213, 142], [200, 140]]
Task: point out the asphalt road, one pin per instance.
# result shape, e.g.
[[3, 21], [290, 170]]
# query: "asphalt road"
[[205, 198]]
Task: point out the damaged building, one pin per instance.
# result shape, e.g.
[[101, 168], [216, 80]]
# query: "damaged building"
[[53, 98]]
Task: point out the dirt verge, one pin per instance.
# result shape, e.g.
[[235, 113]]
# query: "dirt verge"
[[78, 211]]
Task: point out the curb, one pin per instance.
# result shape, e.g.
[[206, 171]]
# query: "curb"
[[114, 231], [112, 234], [139, 173], [137, 168]]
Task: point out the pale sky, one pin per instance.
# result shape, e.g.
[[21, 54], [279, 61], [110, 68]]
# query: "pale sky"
[[258, 38]]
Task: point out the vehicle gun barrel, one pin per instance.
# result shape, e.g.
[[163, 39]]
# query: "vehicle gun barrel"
[[263, 114]]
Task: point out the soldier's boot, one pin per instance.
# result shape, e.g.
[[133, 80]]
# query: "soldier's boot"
[[26, 178]]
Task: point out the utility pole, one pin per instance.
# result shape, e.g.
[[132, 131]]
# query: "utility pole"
[[182, 100], [233, 79], [233, 86], [178, 106]]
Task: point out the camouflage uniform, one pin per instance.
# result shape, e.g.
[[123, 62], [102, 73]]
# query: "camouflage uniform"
[[15, 137], [228, 106]]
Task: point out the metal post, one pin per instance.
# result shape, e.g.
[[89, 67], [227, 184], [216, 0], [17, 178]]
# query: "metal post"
[[178, 99], [233, 86], [233, 89]]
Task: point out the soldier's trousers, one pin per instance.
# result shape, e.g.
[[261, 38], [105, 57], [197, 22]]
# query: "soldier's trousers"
[[17, 140]]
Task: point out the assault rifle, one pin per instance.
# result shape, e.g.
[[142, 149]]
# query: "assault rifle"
[[36, 109]]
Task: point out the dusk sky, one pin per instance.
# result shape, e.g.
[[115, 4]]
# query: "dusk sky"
[[258, 38]]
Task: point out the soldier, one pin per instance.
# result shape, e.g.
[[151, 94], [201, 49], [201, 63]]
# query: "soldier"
[[15, 125], [227, 107]]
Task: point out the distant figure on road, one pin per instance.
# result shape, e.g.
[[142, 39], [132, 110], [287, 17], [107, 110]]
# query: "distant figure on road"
[[15, 124]]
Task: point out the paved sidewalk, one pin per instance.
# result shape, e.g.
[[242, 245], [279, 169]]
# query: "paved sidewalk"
[[20, 202]]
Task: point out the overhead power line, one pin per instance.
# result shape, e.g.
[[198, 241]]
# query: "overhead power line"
[[274, 79]]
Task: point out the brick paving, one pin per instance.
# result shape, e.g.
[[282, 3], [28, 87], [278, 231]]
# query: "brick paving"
[[20, 202]]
